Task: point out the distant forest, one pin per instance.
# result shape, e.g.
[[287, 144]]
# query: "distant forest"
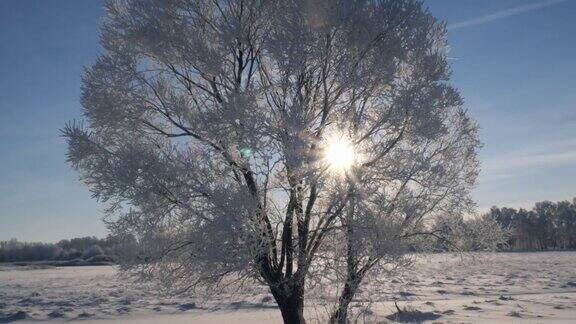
[[77, 251], [547, 226]]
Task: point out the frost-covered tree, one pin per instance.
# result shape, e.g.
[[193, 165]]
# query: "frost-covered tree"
[[232, 137]]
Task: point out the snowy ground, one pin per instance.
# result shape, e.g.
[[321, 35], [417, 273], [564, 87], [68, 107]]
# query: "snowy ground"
[[497, 288]]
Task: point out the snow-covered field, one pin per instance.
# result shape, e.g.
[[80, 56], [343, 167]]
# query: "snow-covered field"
[[498, 288]]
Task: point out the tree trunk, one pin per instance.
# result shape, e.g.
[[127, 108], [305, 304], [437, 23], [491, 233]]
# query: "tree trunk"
[[340, 315], [291, 304], [353, 276]]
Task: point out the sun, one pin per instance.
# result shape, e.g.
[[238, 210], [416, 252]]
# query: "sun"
[[340, 154]]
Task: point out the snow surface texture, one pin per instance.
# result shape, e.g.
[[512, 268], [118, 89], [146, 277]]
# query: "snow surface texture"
[[489, 287]]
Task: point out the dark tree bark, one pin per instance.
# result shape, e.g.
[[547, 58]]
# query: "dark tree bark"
[[354, 271], [353, 280], [290, 300]]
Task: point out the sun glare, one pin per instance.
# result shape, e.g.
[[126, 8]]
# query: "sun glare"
[[340, 154]]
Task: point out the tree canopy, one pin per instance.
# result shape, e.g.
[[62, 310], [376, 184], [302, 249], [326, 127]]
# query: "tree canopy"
[[208, 125]]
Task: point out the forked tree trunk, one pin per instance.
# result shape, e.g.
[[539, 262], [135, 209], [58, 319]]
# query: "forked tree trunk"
[[291, 303]]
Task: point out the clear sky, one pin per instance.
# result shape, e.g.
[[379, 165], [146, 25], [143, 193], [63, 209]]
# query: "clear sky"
[[514, 61]]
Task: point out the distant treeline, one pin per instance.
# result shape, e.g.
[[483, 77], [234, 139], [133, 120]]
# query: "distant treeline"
[[90, 249], [547, 226]]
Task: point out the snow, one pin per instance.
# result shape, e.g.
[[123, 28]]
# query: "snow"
[[481, 287]]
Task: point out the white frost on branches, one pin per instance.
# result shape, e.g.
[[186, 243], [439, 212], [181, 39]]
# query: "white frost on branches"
[[206, 124]]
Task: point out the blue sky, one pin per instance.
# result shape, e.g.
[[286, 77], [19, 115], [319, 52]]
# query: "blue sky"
[[512, 59]]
